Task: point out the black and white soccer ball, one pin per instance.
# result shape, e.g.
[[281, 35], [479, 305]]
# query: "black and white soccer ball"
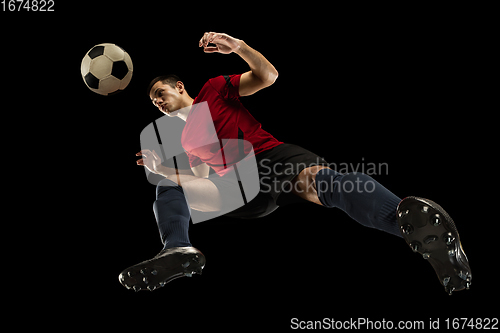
[[107, 69]]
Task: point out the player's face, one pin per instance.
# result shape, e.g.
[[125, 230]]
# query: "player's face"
[[165, 98]]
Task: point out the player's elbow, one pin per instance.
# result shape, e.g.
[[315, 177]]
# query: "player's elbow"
[[275, 75], [271, 77]]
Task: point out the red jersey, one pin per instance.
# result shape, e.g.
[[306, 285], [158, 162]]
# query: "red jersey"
[[219, 129]]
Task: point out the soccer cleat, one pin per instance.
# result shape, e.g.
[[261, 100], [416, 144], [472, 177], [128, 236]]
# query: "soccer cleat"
[[168, 265], [435, 236]]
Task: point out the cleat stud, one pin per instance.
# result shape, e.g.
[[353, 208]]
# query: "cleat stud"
[[430, 239], [199, 270], [415, 246], [463, 275], [426, 255], [186, 264], [145, 279], [448, 238], [121, 278], [188, 274], [136, 288], [143, 271], [403, 213], [154, 272], [162, 284], [151, 288], [467, 285], [449, 290], [129, 274], [451, 252], [446, 280], [436, 220], [425, 209], [407, 229]]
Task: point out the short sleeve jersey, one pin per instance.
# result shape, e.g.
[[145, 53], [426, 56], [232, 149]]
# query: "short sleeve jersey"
[[236, 130]]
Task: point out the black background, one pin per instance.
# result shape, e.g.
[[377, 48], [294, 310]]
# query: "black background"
[[402, 86]]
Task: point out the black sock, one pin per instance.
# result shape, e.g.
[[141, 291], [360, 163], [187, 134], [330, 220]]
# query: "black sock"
[[172, 214], [361, 197]]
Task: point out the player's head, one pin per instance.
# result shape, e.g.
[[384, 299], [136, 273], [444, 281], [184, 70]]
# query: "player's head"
[[167, 93]]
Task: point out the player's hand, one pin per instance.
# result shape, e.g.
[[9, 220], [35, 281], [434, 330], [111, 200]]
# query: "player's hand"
[[223, 43], [150, 160]]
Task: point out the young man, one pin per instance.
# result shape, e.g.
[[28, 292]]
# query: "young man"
[[287, 173]]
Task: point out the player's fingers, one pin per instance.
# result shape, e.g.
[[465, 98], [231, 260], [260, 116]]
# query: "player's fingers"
[[143, 152], [200, 43], [211, 49], [140, 162], [213, 37], [220, 37], [204, 39], [210, 37]]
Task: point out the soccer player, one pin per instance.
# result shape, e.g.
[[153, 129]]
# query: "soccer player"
[[287, 174]]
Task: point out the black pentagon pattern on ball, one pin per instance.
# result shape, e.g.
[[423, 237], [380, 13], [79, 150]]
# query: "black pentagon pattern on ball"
[[92, 81], [120, 69], [96, 51]]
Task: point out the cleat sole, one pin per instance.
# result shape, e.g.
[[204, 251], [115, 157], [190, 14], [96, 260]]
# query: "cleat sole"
[[165, 267], [435, 236]]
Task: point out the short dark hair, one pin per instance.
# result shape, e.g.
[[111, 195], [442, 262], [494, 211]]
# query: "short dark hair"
[[170, 79]]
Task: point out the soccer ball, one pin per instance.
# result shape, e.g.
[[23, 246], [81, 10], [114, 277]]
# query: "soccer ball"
[[107, 69]]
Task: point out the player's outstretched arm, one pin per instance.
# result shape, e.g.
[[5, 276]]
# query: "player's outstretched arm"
[[262, 73]]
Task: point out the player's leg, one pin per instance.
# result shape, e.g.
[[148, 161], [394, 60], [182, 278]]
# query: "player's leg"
[[426, 227], [201, 193], [172, 211], [357, 194]]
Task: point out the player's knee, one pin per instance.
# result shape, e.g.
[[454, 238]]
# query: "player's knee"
[[306, 180], [166, 185], [167, 182], [172, 178]]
